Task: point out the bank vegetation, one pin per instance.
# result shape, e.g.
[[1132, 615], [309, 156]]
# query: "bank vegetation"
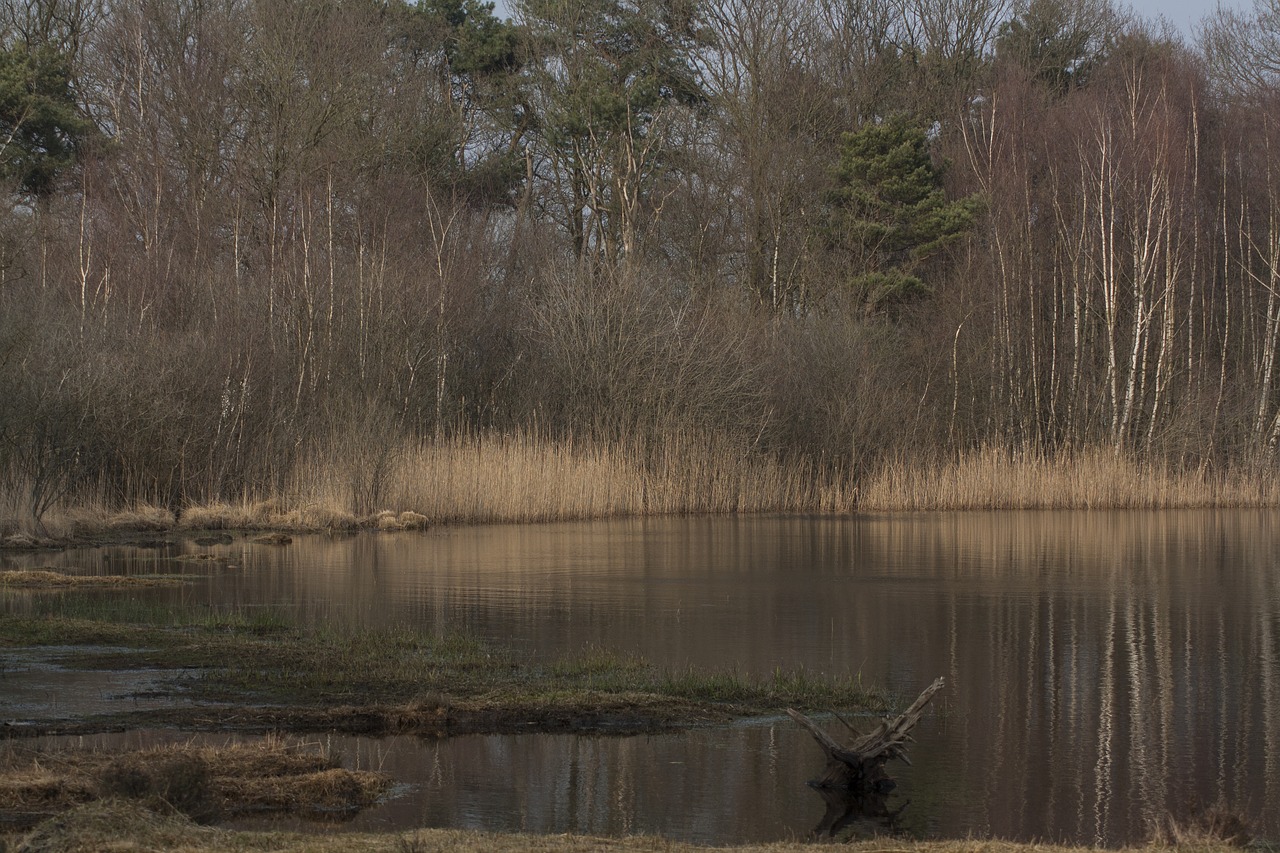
[[329, 258], [103, 825]]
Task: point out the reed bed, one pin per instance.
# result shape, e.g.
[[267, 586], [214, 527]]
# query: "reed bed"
[[1090, 479], [526, 478], [82, 518]]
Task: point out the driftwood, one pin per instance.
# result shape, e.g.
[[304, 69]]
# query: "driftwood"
[[859, 767]]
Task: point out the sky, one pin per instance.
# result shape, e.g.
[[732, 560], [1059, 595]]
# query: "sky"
[[1183, 14]]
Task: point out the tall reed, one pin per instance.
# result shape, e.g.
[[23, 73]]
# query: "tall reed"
[[1097, 478], [524, 477]]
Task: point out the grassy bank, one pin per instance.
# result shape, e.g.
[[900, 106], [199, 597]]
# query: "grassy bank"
[[203, 782], [260, 671], [119, 825]]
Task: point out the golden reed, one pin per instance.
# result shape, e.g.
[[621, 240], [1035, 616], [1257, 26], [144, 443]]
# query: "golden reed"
[[521, 477], [1089, 479]]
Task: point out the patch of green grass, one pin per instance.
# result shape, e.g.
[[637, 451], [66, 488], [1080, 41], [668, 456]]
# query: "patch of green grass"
[[257, 621], [98, 607], [20, 631], [264, 656], [596, 662]]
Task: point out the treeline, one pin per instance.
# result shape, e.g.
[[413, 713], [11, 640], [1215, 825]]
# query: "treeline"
[[239, 236]]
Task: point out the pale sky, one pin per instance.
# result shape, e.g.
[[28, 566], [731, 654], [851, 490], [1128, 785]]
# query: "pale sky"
[[1183, 14]]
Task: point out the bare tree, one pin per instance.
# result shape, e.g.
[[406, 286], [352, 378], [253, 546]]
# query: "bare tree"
[[1243, 49]]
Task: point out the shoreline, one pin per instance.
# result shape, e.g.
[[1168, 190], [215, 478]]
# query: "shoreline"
[[94, 826]]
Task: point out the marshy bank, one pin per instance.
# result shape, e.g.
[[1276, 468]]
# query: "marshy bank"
[[94, 827], [262, 670], [204, 782]]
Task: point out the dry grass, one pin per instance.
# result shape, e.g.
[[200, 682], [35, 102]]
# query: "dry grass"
[[86, 519], [268, 775], [1217, 826], [1093, 479], [49, 579], [123, 826], [274, 514]]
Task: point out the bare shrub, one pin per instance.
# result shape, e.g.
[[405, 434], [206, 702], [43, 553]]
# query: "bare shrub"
[[351, 463], [623, 354], [842, 390]]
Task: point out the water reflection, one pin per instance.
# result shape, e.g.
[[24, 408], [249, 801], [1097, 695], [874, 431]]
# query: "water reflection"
[[1105, 670]]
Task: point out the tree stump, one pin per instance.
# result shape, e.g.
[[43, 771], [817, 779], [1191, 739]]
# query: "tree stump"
[[859, 767]]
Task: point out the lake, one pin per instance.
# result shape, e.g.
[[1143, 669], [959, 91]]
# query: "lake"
[[1105, 670]]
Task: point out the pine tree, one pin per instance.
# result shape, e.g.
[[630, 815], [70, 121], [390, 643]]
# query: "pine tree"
[[890, 212], [40, 126]]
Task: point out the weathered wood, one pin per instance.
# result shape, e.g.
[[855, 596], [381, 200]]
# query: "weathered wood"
[[860, 766]]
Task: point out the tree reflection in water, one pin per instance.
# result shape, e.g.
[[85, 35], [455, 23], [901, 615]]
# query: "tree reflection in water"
[[863, 813]]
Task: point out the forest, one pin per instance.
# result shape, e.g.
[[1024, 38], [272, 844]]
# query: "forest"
[[314, 260]]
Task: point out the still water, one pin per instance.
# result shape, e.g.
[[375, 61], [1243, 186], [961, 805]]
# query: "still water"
[[1105, 671]]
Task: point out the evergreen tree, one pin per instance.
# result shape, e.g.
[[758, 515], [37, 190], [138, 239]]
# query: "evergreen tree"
[[469, 134], [890, 212], [607, 77], [40, 125]]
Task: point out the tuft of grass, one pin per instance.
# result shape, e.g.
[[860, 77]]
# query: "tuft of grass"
[[271, 774], [273, 514], [1215, 827], [799, 688], [118, 825], [594, 662], [48, 579]]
